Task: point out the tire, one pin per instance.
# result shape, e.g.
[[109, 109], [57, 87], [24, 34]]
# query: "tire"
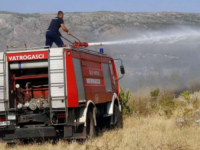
[[90, 128], [118, 120], [11, 144]]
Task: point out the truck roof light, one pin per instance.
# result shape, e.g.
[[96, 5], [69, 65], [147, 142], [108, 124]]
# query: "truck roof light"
[[101, 50]]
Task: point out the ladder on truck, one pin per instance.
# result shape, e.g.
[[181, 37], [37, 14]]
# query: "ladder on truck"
[[57, 84], [3, 83]]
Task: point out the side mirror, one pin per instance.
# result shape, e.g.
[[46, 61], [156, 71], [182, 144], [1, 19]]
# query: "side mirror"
[[122, 69]]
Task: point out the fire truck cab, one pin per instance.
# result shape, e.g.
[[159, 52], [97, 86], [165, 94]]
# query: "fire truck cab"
[[57, 92]]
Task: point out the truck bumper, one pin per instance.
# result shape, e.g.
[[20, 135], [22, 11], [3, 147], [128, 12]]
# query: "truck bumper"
[[7, 130], [28, 133]]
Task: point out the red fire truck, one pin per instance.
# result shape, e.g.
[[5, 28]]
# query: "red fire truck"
[[57, 93]]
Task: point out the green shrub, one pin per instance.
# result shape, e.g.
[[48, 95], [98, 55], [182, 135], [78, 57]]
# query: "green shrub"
[[155, 93], [162, 102], [167, 104], [124, 98], [186, 95], [154, 99]]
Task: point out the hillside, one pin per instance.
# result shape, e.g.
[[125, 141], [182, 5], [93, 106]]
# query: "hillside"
[[17, 29]]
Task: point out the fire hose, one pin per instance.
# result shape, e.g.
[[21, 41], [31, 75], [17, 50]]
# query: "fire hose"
[[81, 44]]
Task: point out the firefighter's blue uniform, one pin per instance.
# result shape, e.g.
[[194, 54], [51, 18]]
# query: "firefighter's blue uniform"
[[52, 34]]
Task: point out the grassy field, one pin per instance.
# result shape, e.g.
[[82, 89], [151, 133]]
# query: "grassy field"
[[151, 125]]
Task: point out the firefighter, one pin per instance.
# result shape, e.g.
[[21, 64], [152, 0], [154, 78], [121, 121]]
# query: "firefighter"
[[53, 34]]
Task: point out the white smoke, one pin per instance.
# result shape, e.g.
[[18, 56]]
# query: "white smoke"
[[158, 37], [166, 58]]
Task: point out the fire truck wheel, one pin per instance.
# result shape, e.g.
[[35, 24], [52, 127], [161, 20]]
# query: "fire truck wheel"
[[11, 144], [90, 128], [118, 117]]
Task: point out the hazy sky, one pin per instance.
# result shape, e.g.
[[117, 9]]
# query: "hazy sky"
[[46, 6]]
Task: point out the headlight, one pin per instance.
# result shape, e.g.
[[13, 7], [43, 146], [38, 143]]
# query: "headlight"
[[33, 106], [19, 106], [27, 104]]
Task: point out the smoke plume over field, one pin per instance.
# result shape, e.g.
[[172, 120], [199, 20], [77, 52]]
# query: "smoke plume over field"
[[168, 58]]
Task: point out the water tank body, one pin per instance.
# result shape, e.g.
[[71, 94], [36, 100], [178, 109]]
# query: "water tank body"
[[28, 65]]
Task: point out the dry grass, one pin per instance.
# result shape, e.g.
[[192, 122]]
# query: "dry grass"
[[151, 133], [147, 132]]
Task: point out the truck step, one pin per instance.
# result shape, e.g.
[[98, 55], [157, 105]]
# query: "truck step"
[[107, 115], [66, 124], [12, 109], [58, 110], [3, 101], [76, 124], [79, 123]]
